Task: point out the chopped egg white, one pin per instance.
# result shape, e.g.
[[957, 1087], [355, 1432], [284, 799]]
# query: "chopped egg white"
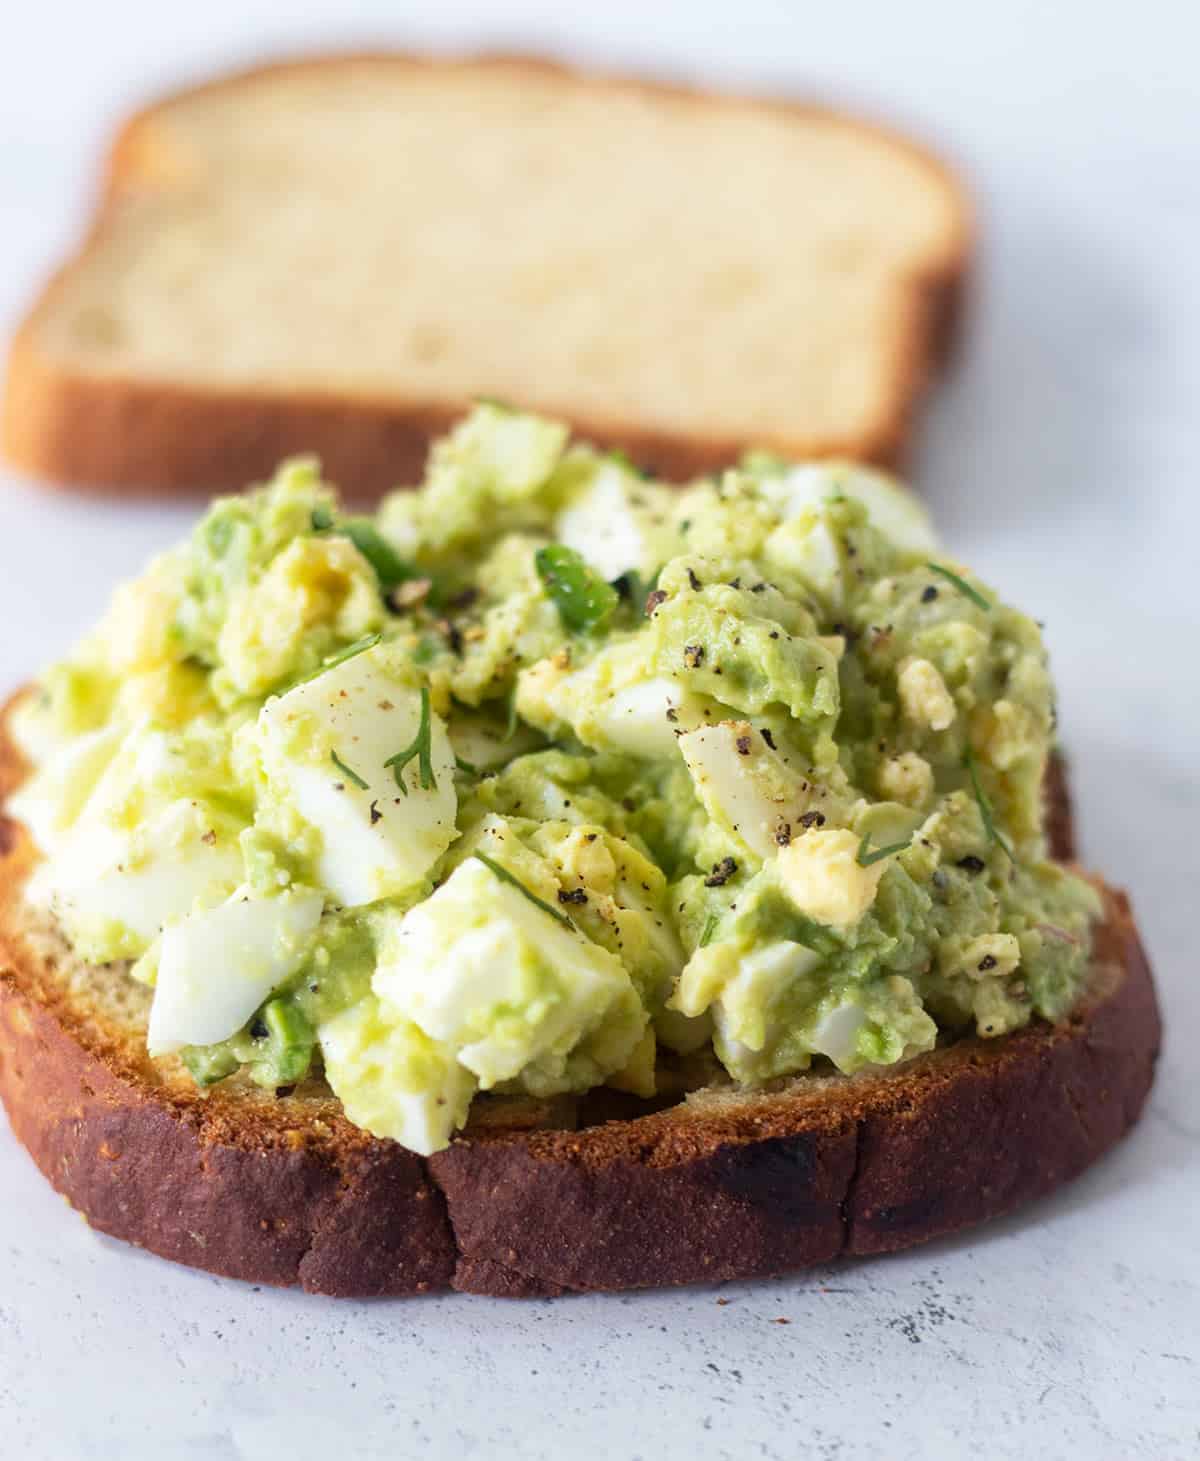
[[485, 971], [893, 509], [52, 799], [377, 839], [610, 704], [745, 786], [115, 889], [741, 992], [392, 1080], [808, 544], [739, 987], [614, 523], [216, 967], [481, 743], [642, 719], [836, 1033]]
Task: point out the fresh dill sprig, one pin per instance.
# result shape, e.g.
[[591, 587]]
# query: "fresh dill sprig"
[[348, 772], [867, 854], [368, 641], [513, 720], [960, 584], [420, 749], [513, 881], [986, 814]]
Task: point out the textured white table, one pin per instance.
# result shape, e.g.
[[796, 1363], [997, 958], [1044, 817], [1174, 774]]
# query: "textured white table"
[[1065, 461]]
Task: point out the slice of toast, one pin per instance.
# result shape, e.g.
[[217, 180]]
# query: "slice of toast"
[[544, 1197], [336, 256]]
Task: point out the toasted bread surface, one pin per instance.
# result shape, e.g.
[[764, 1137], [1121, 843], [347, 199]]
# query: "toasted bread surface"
[[724, 1184], [337, 255]]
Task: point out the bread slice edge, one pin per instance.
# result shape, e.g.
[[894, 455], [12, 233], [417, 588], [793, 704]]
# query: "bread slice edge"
[[120, 433]]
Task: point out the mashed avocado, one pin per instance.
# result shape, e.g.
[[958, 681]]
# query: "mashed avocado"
[[547, 775]]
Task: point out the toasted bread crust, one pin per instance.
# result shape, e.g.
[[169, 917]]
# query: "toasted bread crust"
[[724, 1186], [339, 1218], [1057, 809], [138, 436]]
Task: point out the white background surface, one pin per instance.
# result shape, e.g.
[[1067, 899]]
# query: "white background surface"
[[1064, 461]]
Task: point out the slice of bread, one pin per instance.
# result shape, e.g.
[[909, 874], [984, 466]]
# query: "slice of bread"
[[336, 256], [543, 1197]]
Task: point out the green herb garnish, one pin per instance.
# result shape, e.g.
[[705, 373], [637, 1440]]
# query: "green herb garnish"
[[628, 586], [510, 725], [634, 590], [390, 568], [347, 771], [866, 854], [960, 584], [706, 933], [987, 816], [427, 649], [460, 764], [368, 641], [583, 600], [420, 748], [506, 877]]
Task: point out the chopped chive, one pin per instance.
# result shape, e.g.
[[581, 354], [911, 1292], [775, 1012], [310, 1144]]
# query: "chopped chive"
[[347, 772], [368, 641], [506, 877], [510, 728], [583, 600], [866, 854], [635, 589], [629, 587], [960, 584], [461, 764], [494, 401], [390, 568], [706, 933], [420, 748], [986, 814]]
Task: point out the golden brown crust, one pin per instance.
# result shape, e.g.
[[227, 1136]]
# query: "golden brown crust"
[[724, 1186], [146, 436], [860, 1166], [361, 1219], [1056, 803]]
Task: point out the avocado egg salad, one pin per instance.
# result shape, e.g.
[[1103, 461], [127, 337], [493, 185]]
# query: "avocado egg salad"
[[547, 777]]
